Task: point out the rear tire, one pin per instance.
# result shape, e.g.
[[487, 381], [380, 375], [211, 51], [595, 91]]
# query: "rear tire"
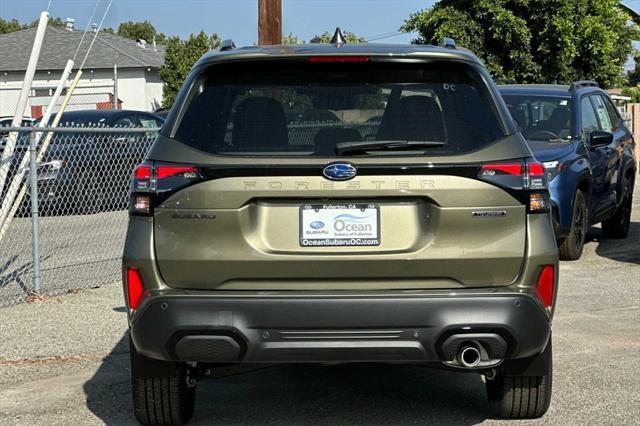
[[618, 225], [161, 400], [520, 397], [571, 248]]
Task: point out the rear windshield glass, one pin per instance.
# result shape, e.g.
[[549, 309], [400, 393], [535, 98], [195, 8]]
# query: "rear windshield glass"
[[541, 117], [296, 108]]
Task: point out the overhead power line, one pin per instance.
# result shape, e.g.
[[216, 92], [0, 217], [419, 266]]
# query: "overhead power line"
[[384, 36], [104, 15], [86, 29]]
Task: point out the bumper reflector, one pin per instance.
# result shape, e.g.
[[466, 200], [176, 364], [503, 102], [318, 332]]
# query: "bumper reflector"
[[545, 285], [135, 287]]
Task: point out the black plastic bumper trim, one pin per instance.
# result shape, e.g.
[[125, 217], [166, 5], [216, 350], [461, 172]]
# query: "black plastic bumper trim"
[[329, 329]]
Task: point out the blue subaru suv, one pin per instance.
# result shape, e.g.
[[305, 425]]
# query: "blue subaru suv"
[[588, 154]]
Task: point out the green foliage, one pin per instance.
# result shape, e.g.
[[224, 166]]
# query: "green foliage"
[[291, 39], [14, 25], [180, 55], [634, 74], [633, 92], [140, 30], [11, 26], [325, 37], [53, 22], [531, 41]]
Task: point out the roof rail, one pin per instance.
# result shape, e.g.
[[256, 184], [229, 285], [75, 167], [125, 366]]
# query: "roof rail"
[[228, 44], [448, 42], [582, 83]]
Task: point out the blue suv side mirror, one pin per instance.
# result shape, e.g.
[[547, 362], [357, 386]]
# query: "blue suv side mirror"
[[600, 138]]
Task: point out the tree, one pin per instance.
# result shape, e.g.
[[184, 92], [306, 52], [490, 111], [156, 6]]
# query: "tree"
[[14, 25], [634, 74], [179, 57], [11, 26], [140, 30], [535, 41], [292, 39], [325, 37]]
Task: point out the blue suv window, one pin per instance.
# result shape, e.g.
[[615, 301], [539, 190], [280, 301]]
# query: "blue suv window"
[[588, 116]]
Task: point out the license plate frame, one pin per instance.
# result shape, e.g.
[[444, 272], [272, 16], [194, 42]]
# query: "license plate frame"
[[318, 225]]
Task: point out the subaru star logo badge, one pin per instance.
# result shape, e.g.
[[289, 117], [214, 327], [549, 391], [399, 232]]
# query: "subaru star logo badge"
[[339, 171], [317, 224]]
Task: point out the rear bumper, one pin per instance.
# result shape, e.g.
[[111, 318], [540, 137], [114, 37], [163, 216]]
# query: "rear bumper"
[[407, 327]]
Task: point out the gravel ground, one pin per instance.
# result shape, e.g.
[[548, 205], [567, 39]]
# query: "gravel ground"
[[65, 361], [80, 251]]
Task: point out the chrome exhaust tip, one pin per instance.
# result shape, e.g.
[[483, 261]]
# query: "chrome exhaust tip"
[[469, 356]]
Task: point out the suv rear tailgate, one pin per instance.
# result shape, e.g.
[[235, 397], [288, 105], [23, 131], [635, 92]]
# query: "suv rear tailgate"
[[436, 231]]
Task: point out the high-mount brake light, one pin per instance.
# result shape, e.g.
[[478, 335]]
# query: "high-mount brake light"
[[346, 59], [527, 178], [545, 285], [152, 183]]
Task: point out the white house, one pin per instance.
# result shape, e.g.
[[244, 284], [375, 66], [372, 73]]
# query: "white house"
[[138, 85]]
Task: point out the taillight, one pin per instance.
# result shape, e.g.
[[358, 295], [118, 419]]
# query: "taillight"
[[143, 172], [512, 169], [152, 183], [135, 288], [545, 285], [528, 177]]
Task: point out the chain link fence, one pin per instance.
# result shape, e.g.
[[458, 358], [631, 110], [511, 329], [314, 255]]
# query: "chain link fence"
[[83, 182], [83, 176]]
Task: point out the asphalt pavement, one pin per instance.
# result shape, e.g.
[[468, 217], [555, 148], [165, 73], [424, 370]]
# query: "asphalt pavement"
[[65, 361]]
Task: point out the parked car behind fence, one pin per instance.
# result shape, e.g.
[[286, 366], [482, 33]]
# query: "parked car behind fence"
[[86, 170]]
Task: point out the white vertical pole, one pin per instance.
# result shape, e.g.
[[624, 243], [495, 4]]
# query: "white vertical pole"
[[7, 201], [41, 152], [115, 86], [56, 95], [5, 159]]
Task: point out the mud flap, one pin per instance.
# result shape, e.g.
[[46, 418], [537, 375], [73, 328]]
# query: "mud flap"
[[536, 365]]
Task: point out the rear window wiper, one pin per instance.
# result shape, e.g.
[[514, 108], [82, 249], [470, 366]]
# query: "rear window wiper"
[[363, 146]]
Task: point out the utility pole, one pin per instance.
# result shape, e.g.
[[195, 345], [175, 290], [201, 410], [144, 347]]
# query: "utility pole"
[[269, 22]]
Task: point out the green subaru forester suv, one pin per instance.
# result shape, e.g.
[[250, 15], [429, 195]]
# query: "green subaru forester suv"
[[336, 203]]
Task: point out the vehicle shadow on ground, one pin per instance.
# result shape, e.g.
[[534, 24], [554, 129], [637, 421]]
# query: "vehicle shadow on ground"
[[307, 395], [621, 250]]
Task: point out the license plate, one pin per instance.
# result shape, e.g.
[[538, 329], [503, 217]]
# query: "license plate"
[[339, 225]]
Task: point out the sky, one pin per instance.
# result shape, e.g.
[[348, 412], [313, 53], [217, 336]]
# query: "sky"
[[237, 19]]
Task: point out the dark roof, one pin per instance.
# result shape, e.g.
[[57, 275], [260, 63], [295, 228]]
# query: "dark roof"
[[60, 44], [311, 49], [539, 89]]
